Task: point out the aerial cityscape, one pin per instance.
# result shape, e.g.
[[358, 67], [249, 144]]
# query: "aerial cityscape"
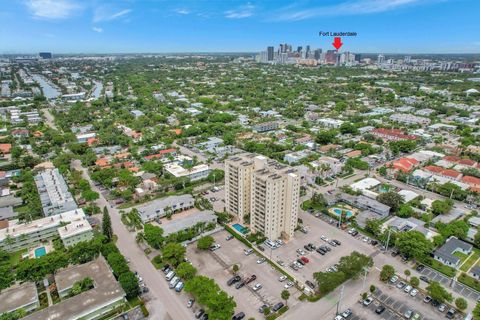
[[240, 160]]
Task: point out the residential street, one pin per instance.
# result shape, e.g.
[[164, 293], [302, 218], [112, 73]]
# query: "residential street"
[[162, 297]]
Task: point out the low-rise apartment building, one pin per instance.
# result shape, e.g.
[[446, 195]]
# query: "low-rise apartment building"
[[158, 208], [53, 192], [71, 226]]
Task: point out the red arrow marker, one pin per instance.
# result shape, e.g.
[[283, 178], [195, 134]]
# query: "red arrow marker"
[[337, 42]]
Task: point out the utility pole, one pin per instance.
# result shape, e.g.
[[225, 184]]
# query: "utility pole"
[[340, 299], [364, 279], [388, 239]]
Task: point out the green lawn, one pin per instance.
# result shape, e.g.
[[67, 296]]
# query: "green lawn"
[[470, 261], [469, 281], [434, 264], [460, 255], [16, 256]]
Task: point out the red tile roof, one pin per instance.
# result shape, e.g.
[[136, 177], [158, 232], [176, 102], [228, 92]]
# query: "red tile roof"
[[394, 133], [471, 180], [451, 173], [5, 147], [102, 162], [405, 164], [434, 169]]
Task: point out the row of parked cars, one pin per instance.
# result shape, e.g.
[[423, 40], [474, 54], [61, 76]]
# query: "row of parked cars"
[[413, 292], [174, 281]]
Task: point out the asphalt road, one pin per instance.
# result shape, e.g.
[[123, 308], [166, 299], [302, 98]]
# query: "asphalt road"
[[165, 304]]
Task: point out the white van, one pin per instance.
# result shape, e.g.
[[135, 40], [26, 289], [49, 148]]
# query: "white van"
[[174, 282], [170, 275]]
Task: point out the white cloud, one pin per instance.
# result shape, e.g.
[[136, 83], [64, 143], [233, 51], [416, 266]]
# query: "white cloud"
[[106, 14], [242, 12], [97, 29], [182, 11], [52, 9], [351, 7]]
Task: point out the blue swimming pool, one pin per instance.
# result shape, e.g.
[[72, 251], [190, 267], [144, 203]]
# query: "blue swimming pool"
[[338, 212], [39, 252], [240, 228]]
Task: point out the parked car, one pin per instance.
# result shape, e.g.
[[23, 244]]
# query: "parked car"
[[277, 307], [310, 284], [229, 237], [262, 308], [427, 299], [304, 259], [354, 233], [215, 246], [414, 292], [190, 303], [248, 252], [401, 285], [289, 284], [300, 251], [338, 243], [425, 279], [199, 313], [233, 280], [250, 279], [394, 279], [282, 278], [240, 284], [408, 288], [301, 262], [347, 313], [257, 287], [321, 251], [261, 260], [408, 314], [380, 309], [238, 316], [179, 286], [367, 301], [420, 268], [451, 313], [442, 307]]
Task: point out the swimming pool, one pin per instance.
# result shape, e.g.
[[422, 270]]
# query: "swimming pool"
[[39, 252], [338, 212], [240, 228]]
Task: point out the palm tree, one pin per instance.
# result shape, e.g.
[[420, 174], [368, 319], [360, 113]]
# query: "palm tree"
[[140, 238], [285, 296]]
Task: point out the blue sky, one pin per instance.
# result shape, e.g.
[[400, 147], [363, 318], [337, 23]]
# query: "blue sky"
[[104, 26]]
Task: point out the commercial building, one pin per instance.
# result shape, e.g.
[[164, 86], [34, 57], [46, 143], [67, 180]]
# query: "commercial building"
[[106, 295], [264, 189], [71, 226], [53, 192], [158, 208]]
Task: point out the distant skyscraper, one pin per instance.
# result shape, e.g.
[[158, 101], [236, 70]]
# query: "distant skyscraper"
[[299, 49], [380, 59], [45, 55], [408, 59], [358, 57], [318, 54], [307, 48], [330, 57], [270, 53]]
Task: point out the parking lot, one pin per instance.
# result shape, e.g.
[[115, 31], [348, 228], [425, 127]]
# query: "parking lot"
[[316, 228], [397, 302], [217, 265], [458, 287]]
